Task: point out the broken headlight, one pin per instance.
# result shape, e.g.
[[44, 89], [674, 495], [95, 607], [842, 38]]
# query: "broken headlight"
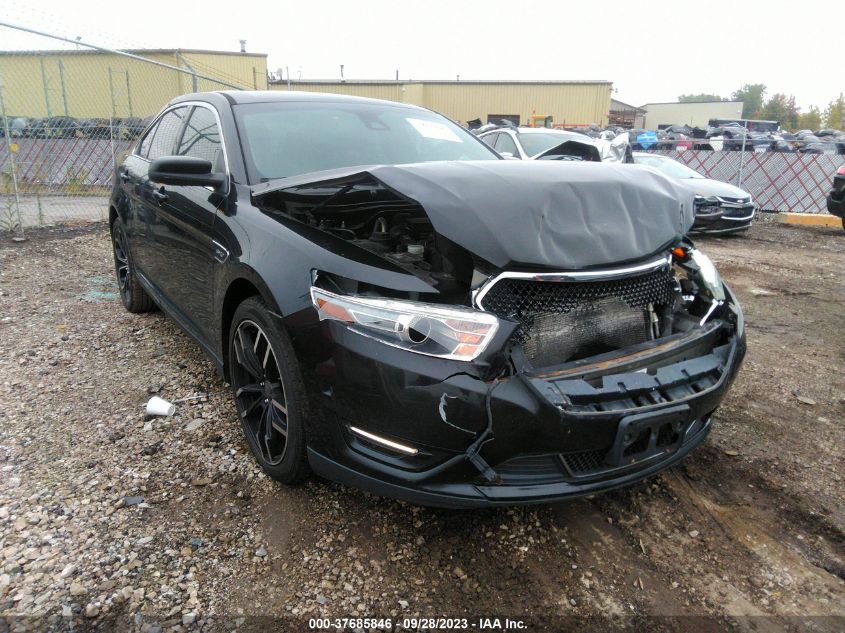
[[424, 328], [708, 274]]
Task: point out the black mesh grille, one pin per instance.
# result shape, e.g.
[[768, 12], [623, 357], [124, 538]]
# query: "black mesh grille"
[[531, 302], [584, 461]]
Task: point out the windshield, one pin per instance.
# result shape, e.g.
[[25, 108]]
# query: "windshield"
[[540, 142], [667, 166], [287, 139]]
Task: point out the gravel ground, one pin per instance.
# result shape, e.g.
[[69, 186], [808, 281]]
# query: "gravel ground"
[[108, 520]]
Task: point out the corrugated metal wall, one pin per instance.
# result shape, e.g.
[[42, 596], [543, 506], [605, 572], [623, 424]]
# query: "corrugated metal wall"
[[569, 103], [135, 87]]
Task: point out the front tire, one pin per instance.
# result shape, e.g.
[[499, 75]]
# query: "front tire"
[[134, 297], [269, 393]]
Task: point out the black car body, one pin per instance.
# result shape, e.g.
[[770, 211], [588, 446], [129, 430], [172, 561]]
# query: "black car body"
[[836, 196], [457, 333]]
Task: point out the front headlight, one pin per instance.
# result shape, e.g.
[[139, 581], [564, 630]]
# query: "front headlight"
[[424, 328], [708, 274]]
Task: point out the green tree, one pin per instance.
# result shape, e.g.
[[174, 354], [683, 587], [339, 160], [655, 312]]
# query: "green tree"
[[775, 109], [699, 98], [834, 116], [792, 109], [751, 96], [810, 120]]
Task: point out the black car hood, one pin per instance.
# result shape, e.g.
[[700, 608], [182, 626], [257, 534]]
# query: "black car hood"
[[565, 216]]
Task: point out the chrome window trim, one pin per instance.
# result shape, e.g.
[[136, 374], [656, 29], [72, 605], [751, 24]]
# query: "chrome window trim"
[[558, 277], [181, 104]]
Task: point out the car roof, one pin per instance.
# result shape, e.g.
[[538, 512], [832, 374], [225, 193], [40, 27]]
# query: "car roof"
[[545, 130], [236, 97]]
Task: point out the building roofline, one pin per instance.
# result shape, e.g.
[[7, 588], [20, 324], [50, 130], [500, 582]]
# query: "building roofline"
[[134, 51], [626, 105], [684, 102], [386, 82]]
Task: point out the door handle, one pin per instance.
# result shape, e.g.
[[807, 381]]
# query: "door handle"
[[160, 196]]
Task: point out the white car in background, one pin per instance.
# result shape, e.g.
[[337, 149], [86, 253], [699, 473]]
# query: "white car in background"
[[530, 143]]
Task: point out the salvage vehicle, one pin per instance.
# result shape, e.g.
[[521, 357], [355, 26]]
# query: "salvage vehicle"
[[836, 197], [530, 143], [525, 143], [398, 308], [719, 206]]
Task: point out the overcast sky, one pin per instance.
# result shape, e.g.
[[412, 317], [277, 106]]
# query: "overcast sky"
[[651, 51]]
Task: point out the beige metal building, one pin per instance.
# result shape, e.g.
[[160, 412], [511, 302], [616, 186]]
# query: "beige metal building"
[[570, 103], [675, 113], [91, 84]]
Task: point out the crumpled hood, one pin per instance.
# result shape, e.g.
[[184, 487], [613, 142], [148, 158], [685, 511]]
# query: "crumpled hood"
[[564, 216], [585, 142]]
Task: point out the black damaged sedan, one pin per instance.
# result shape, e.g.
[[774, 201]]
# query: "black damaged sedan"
[[399, 309]]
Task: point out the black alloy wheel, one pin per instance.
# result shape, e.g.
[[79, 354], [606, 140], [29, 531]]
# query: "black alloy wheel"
[[268, 392], [133, 296]]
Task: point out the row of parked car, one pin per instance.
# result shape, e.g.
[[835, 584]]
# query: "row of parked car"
[[727, 137], [55, 127], [734, 137], [720, 207]]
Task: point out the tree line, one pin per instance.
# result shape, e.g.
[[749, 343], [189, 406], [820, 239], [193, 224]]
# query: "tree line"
[[779, 107]]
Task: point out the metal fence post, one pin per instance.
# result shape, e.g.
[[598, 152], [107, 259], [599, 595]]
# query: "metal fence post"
[[12, 169], [113, 114], [741, 161], [46, 87], [182, 60], [62, 80], [128, 94]]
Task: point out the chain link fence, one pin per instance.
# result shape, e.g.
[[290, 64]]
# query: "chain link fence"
[[68, 109], [778, 181]]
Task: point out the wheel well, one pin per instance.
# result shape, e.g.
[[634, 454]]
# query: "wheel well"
[[237, 292]]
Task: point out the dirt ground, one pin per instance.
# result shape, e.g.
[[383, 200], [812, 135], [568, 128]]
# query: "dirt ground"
[[108, 520]]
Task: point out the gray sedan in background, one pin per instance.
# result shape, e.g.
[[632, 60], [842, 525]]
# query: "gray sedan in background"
[[719, 206]]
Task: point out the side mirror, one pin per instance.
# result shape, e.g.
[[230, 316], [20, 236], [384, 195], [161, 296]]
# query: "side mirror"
[[185, 170]]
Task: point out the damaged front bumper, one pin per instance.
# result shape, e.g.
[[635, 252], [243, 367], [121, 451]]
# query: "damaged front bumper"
[[435, 432], [721, 215]]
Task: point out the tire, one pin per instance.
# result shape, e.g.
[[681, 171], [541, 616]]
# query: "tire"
[[269, 393], [134, 297]]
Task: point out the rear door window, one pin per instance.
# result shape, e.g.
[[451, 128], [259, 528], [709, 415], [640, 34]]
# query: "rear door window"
[[506, 144], [490, 139], [144, 143]]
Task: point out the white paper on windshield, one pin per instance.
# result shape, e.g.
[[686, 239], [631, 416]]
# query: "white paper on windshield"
[[434, 130]]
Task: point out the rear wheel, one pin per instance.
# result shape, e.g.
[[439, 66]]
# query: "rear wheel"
[[133, 296], [269, 393]]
